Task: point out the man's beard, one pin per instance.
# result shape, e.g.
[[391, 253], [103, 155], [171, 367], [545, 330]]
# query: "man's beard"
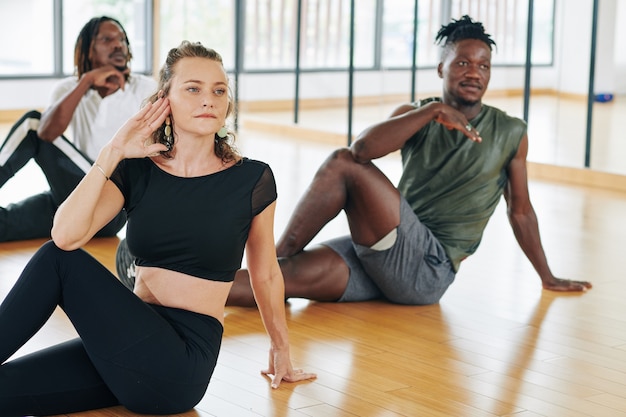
[[467, 103]]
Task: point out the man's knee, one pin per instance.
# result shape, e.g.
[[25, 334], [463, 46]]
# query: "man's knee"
[[33, 115], [28, 122], [339, 161], [342, 156]]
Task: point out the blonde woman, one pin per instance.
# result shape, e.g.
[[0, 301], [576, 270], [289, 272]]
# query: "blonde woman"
[[193, 205]]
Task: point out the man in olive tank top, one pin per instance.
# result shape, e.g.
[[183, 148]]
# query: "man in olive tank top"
[[406, 243]]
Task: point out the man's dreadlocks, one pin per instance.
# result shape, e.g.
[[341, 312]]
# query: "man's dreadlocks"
[[462, 29]]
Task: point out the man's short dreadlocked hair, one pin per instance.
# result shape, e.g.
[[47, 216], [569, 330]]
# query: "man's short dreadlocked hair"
[[462, 29]]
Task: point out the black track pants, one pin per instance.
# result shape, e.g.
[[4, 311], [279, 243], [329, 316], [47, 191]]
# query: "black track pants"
[[62, 164]]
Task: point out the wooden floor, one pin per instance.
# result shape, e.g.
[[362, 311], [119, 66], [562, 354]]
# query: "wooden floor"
[[496, 344]]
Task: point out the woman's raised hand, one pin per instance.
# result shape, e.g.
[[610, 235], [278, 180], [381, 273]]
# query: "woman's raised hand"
[[134, 138]]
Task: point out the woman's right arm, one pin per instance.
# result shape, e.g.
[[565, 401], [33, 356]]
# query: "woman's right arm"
[[96, 200], [92, 204]]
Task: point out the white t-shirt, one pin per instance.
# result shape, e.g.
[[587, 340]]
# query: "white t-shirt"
[[96, 119]]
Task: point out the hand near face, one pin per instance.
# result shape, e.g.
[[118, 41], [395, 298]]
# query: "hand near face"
[[108, 79], [134, 138]]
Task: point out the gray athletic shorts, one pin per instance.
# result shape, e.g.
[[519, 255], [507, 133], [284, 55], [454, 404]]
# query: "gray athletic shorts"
[[415, 270]]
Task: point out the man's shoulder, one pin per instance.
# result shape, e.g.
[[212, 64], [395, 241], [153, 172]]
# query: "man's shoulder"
[[62, 86], [141, 85], [508, 126], [497, 112], [66, 82], [422, 102], [142, 81]]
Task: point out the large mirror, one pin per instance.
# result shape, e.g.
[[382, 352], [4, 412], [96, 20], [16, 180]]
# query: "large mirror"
[[608, 110], [576, 123], [572, 123], [290, 60]]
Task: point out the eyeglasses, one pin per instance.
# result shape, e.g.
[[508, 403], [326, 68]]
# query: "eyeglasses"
[[109, 39]]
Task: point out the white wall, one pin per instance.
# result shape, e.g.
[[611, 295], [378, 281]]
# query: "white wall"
[[605, 64], [26, 94], [620, 48], [572, 45]]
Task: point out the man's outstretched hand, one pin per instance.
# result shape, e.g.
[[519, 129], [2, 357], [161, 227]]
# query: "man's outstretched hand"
[[566, 285]]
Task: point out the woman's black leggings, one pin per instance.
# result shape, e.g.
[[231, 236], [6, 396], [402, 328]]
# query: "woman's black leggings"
[[151, 359]]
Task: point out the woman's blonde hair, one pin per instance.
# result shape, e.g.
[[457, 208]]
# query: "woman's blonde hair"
[[224, 147]]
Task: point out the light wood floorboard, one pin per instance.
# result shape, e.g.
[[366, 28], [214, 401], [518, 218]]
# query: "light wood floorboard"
[[496, 344]]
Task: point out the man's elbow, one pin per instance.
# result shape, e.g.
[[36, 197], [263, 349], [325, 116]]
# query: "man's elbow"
[[520, 216], [47, 135], [49, 129], [358, 149]]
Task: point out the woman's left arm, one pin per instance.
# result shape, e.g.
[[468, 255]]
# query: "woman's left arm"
[[269, 291]]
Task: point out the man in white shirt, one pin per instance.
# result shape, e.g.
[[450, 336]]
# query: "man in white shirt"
[[90, 106]]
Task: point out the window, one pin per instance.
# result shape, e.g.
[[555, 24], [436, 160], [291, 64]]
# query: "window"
[[507, 24], [271, 29], [271, 25], [211, 22], [397, 38], [25, 51], [383, 32], [270, 34], [28, 31]]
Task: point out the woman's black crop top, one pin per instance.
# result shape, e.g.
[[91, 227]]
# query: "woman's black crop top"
[[197, 226]]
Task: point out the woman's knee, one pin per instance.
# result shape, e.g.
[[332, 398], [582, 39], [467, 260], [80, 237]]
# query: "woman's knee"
[[48, 249], [51, 253]]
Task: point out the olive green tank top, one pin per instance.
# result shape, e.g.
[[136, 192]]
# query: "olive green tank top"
[[454, 184]]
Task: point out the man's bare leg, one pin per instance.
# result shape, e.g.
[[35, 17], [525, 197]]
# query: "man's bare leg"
[[372, 207], [318, 274], [371, 203]]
